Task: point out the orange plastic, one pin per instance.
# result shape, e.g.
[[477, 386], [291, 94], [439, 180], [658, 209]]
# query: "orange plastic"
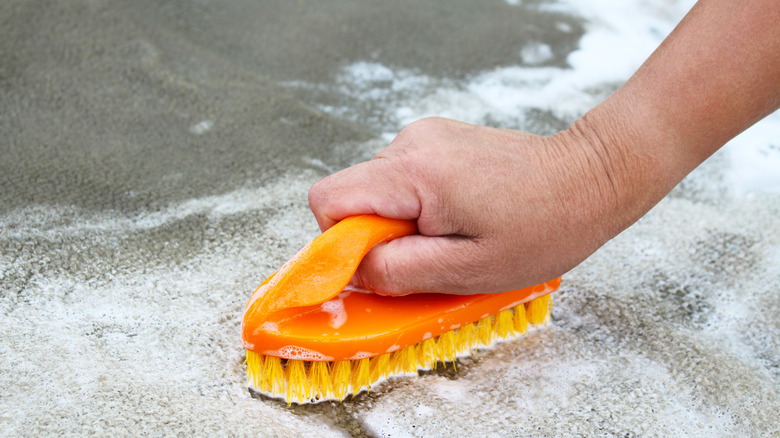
[[323, 267], [303, 311], [355, 325]]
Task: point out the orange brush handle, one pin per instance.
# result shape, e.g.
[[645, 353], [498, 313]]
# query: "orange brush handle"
[[323, 267]]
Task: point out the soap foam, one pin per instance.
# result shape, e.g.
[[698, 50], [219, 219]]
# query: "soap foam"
[[338, 314], [362, 355], [298, 353]]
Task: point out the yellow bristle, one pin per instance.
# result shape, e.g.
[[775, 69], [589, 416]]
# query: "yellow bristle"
[[538, 310], [485, 331], [272, 378], [426, 357], [361, 375], [340, 375], [319, 377], [380, 367], [254, 368], [466, 338], [502, 325], [446, 347], [404, 360], [297, 382], [519, 319]]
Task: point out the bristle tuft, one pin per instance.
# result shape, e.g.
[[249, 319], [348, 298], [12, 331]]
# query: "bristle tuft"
[[319, 376], [341, 377], [485, 331], [466, 338], [361, 375], [380, 367], [254, 368], [446, 347], [538, 310], [404, 360], [297, 382], [502, 324], [427, 356], [272, 378], [519, 319]]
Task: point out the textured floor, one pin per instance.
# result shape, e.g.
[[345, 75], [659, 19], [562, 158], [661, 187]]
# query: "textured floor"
[[155, 164]]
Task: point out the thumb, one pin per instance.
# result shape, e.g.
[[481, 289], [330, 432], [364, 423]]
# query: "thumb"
[[416, 264]]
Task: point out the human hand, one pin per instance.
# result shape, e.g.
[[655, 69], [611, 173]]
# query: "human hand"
[[496, 209], [500, 209]]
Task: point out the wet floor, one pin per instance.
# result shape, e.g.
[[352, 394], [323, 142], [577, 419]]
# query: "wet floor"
[[155, 164]]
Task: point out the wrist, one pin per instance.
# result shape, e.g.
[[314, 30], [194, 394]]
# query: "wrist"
[[620, 169]]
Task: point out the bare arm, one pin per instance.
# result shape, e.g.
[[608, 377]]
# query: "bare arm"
[[502, 209], [714, 76]]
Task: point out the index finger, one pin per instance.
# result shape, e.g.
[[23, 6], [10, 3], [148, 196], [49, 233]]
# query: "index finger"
[[373, 187]]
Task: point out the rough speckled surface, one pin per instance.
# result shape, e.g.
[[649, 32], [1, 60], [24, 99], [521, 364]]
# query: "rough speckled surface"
[[155, 164]]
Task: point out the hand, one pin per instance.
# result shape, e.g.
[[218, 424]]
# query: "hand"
[[496, 209], [500, 209]]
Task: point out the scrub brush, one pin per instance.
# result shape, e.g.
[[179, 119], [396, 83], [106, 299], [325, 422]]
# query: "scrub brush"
[[311, 337]]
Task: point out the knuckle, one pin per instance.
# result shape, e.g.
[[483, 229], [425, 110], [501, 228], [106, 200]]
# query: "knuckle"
[[320, 193], [422, 127], [316, 193], [416, 129]]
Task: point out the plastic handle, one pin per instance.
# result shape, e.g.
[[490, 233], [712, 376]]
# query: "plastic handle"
[[324, 267]]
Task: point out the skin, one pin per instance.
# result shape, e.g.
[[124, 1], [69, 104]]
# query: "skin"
[[502, 209]]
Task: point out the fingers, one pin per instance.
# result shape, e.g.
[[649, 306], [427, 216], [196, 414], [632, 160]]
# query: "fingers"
[[366, 188], [415, 264], [480, 198]]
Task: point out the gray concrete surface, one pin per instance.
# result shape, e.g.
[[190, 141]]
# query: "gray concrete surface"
[[155, 159]]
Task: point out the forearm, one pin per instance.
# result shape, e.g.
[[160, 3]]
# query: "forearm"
[[714, 76]]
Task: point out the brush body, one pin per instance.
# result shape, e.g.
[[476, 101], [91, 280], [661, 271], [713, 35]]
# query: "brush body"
[[310, 338], [303, 374]]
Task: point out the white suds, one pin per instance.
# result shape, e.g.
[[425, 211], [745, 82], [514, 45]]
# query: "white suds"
[[201, 127], [335, 307], [298, 353]]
